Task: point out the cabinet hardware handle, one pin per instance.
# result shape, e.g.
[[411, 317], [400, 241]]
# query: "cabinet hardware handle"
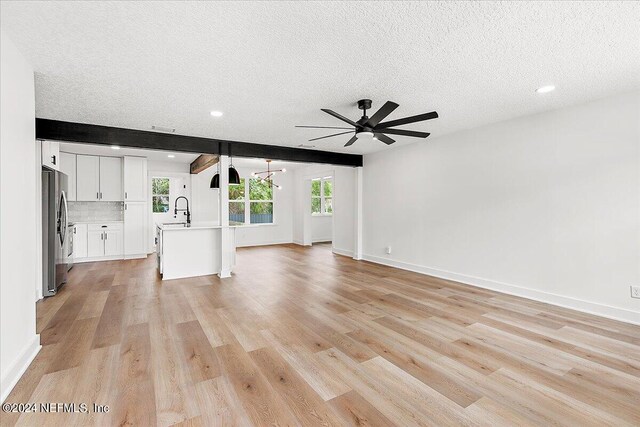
[[97, 195], [101, 236], [106, 236], [101, 195], [125, 194], [53, 159]]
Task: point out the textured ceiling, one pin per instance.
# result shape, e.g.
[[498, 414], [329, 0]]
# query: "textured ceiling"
[[269, 66]]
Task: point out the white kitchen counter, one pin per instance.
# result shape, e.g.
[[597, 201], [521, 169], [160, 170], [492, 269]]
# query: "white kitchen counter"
[[194, 226], [190, 251]]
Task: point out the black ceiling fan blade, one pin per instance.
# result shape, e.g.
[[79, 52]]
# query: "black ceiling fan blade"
[[351, 141], [406, 133], [329, 136], [322, 127], [384, 138], [341, 117], [383, 112], [407, 120]]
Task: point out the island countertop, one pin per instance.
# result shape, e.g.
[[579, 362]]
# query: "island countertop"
[[180, 226]]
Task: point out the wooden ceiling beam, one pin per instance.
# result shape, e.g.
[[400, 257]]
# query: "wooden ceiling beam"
[[204, 161]]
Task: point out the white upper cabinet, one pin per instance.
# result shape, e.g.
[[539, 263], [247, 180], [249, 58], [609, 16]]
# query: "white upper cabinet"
[[88, 178], [110, 179], [98, 178], [135, 179], [68, 167], [51, 154]]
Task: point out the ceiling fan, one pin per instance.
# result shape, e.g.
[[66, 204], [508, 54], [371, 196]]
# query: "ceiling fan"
[[373, 127]]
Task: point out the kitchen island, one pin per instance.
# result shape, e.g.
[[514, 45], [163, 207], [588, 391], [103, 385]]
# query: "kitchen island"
[[190, 251]]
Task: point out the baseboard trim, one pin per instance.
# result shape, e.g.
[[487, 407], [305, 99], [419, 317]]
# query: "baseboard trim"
[[98, 258], [321, 240], [602, 310], [19, 367], [283, 242], [343, 252], [299, 243]]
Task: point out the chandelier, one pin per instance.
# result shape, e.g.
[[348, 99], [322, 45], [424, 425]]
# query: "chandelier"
[[267, 176]]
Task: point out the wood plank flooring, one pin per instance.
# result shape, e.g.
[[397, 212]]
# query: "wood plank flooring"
[[300, 336]]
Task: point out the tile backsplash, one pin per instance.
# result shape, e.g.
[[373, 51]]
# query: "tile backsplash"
[[96, 211]]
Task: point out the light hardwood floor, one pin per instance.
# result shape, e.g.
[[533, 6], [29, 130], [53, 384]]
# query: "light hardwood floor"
[[299, 336]]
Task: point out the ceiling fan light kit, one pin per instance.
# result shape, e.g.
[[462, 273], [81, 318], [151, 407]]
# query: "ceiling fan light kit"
[[370, 128]]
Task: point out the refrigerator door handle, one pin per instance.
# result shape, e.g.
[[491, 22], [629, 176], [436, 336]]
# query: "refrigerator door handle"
[[63, 210]]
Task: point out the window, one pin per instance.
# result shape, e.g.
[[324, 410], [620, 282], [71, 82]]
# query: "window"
[[260, 201], [254, 196], [160, 195], [322, 196], [236, 203]]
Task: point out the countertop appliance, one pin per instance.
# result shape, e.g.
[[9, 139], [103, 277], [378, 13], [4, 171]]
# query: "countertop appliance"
[[55, 256]]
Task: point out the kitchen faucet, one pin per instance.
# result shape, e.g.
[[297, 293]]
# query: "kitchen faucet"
[[176, 210]]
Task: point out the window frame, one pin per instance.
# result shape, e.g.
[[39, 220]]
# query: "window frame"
[[322, 197], [247, 204]]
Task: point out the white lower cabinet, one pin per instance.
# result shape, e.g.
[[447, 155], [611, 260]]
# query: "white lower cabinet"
[[80, 241], [113, 243], [104, 240], [135, 228]]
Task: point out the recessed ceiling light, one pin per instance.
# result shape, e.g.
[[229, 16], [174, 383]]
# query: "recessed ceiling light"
[[546, 89], [115, 147], [216, 114], [171, 156]]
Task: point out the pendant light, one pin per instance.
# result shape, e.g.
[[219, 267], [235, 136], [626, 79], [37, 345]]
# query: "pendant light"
[[215, 180], [234, 176], [268, 175]]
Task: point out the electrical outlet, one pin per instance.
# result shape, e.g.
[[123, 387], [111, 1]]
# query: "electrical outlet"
[[388, 250], [635, 291]]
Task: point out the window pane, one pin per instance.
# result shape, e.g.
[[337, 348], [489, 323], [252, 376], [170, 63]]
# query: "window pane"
[[236, 191], [315, 205], [236, 213], [260, 190], [261, 212], [328, 208], [315, 187], [328, 188], [160, 204], [160, 186]]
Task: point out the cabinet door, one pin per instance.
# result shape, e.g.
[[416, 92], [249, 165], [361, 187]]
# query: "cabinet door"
[[135, 179], [68, 167], [87, 178], [111, 179], [135, 228], [80, 241], [113, 242], [95, 243], [51, 154]]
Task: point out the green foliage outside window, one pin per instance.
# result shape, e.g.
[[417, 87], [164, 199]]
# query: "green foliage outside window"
[[160, 195]]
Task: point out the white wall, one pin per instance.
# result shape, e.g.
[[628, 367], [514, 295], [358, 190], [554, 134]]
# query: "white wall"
[[344, 205], [321, 228], [19, 342], [545, 206]]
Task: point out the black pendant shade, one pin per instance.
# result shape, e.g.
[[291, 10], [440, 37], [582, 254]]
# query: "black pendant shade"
[[215, 181], [234, 176]]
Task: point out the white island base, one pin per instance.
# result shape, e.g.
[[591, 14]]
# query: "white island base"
[[192, 251]]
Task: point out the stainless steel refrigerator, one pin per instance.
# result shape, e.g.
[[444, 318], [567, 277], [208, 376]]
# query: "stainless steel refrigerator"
[[54, 231]]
